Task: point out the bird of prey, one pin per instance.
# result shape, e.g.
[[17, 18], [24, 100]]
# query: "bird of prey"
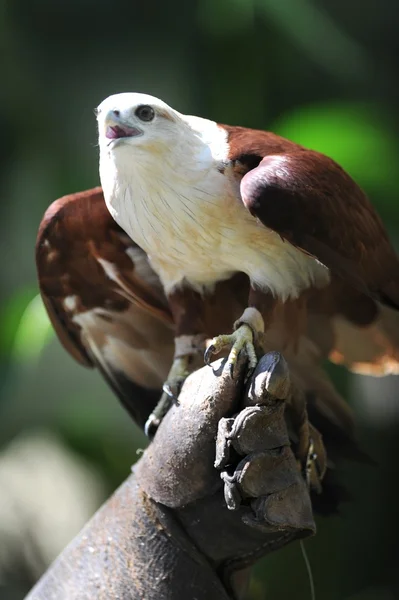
[[215, 236]]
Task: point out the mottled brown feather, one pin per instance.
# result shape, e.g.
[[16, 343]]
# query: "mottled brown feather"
[[131, 312]]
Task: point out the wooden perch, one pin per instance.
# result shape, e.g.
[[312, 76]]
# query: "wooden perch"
[[182, 528]]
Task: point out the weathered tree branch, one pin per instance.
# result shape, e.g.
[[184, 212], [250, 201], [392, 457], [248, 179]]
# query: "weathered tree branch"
[[167, 533]]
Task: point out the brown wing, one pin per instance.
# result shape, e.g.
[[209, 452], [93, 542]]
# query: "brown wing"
[[313, 204], [104, 301]]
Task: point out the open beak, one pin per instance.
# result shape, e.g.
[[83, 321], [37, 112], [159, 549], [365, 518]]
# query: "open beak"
[[117, 128], [115, 132]]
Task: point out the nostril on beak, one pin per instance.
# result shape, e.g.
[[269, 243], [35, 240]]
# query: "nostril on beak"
[[116, 113]]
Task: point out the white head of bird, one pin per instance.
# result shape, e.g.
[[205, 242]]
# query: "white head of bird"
[[160, 170], [145, 128]]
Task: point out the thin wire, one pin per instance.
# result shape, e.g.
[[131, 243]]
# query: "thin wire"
[[309, 570]]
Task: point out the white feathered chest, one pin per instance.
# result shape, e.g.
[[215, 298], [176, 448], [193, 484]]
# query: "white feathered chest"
[[195, 228]]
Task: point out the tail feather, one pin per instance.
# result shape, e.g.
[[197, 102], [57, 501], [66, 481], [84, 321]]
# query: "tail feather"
[[369, 350]]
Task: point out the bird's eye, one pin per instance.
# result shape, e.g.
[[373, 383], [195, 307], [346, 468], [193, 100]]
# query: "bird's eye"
[[145, 112]]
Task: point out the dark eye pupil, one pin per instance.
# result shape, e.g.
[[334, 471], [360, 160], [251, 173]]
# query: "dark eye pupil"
[[145, 113]]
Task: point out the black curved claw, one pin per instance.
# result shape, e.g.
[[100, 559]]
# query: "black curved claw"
[[208, 354], [231, 370], [155, 418], [249, 373], [172, 390], [151, 426], [168, 391]]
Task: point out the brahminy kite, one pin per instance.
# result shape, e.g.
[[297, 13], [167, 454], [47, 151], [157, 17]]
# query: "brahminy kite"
[[215, 236]]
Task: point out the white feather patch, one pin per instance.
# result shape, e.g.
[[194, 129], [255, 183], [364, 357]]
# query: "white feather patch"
[[70, 303]]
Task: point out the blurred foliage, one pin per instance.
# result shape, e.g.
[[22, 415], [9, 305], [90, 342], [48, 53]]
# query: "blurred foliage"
[[10, 317], [32, 332], [321, 73]]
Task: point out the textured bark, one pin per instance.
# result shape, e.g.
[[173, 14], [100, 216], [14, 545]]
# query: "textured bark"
[[167, 533]]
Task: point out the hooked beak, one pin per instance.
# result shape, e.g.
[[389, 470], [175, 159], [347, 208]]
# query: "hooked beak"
[[117, 128]]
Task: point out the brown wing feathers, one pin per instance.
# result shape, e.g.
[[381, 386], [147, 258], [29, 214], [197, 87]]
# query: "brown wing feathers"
[[103, 299], [312, 203]]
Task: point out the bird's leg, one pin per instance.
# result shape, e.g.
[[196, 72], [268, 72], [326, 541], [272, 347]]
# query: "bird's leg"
[[188, 348], [248, 331], [187, 310]]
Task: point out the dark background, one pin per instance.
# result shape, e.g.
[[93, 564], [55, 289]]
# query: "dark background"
[[321, 73]]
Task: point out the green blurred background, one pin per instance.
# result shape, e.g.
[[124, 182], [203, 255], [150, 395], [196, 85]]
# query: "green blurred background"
[[323, 73]]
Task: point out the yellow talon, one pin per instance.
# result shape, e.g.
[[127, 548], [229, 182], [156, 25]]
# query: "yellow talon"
[[242, 338]]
